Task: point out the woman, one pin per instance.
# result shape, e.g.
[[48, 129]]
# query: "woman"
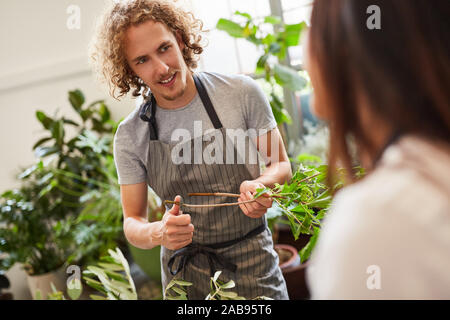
[[387, 236]]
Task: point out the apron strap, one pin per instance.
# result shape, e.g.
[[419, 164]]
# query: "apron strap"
[[207, 103], [152, 120], [151, 104]]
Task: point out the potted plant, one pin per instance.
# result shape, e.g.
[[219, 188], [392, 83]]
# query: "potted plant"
[[41, 227], [31, 231]]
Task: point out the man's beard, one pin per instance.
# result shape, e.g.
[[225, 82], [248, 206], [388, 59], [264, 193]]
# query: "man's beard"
[[175, 96]]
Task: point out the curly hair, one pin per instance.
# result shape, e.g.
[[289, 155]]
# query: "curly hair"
[[107, 48]]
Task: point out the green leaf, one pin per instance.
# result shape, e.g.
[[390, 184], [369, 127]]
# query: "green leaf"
[[104, 113], [270, 38], [179, 291], [232, 28], [305, 253], [272, 20], [228, 285], [321, 203], [288, 77], [261, 191], [76, 99], [304, 157], [183, 283], [246, 15], [111, 266], [42, 152], [71, 122], [37, 144], [291, 34], [216, 275], [227, 294], [57, 130], [281, 115], [44, 119], [262, 61], [86, 114]]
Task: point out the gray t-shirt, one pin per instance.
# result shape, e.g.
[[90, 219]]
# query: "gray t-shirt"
[[237, 99]]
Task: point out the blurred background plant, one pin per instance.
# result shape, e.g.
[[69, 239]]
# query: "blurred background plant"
[[68, 206], [272, 37]]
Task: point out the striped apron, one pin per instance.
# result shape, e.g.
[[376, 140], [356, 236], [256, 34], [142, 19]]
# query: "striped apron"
[[224, 237]]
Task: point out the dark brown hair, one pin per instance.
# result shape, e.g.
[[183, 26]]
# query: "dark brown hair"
[[403, 69]]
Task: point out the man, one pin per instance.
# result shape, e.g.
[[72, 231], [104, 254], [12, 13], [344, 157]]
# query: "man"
[[151, 46]]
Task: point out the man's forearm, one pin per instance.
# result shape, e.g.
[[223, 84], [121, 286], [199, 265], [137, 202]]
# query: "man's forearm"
[[142, 234], [278, 172]]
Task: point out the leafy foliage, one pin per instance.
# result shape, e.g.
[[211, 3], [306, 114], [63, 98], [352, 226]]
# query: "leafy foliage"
[[63, 210], [111, 277], [32, 219], [274, 46], [219, 290], [305, 201]]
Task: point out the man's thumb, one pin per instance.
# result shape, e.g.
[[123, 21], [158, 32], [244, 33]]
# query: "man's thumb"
[[175, 210]]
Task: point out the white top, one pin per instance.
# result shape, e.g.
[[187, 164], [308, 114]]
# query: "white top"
[[388, 235]]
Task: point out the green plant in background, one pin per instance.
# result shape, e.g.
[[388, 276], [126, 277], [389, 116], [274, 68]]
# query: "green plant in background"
[[31, 217], [81, 153], [98, 226], [272, 38], [67, 208]]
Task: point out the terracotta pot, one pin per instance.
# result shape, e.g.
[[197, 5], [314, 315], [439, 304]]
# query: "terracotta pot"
[[284, 251], [294, 273], [43, 282]]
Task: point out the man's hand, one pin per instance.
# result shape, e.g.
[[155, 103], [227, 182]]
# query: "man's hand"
[[176, 230], [254, 209]]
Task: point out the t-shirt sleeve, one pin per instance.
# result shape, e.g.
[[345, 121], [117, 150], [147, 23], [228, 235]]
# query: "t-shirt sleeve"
[[130, 169], [257, 110]]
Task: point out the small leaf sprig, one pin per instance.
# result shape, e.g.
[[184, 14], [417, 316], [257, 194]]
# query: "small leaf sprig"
[[114, 278], [219, 290]]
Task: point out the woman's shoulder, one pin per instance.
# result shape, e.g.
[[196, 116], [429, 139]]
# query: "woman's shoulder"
[[413, 173], [395, 219]]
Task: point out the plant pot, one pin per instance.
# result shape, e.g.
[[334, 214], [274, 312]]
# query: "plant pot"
[[148, 260], [293, 271], [296, 282], [288, 255], [43, 282]]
